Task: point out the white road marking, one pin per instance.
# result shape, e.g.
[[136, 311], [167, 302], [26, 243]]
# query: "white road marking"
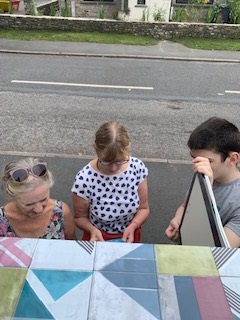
[[82, 85], [229, 91]]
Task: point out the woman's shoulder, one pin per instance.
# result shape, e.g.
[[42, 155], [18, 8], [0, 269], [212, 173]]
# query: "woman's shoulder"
[[9, 210], [59, 205]]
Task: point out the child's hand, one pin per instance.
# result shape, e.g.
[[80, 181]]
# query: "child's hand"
[[96, 235], [128, 234], [202, 165], [172, 231]]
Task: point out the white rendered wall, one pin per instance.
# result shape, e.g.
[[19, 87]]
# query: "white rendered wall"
[[151, 6]]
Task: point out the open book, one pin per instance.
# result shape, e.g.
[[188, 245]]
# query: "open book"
[[201, 223]]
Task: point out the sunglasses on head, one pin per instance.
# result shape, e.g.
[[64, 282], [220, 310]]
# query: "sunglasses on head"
[[20, 175]]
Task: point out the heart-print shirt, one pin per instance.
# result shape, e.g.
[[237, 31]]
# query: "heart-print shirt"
[[113, 199]]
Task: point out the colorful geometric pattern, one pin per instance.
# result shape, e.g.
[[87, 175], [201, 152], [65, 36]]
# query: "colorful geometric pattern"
[[57, 279], [15, 252], [228, 262]]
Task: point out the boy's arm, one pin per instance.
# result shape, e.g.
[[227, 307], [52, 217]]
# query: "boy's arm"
[[233, 238], [172, 231]]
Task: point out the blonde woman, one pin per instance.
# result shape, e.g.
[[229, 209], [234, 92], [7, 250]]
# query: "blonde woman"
[[30, 212]]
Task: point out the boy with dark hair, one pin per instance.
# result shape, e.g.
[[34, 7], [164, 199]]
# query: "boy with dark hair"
[[214, 146]]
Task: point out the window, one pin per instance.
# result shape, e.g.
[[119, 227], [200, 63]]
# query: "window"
[[99, 2], [141, 2], [194, 2]]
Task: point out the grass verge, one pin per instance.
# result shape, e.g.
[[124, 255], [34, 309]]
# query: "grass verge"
[[127, 39], [94, 37], [211, 44]]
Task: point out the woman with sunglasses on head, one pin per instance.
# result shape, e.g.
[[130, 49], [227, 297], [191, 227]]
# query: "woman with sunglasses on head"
[[31, 213], [110, 194]]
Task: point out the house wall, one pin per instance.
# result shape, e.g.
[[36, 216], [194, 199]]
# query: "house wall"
[[196, 13], [132, 11], [91, 9], [85, 9], [137, 11], [46, 7], [157, 30]]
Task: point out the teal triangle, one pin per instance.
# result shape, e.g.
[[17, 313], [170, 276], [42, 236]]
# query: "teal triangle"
[[145, 251], [148, 299], [30, 307], [59, 282]]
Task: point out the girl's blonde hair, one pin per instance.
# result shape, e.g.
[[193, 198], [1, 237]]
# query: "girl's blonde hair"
[[112, 141]]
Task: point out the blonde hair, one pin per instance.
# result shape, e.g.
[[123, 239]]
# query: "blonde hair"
[[13, 188], [112, 141]]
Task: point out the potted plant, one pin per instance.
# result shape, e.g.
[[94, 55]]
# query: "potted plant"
[[15, 5]]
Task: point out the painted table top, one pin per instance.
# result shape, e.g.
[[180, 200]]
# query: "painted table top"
[[56, 279]]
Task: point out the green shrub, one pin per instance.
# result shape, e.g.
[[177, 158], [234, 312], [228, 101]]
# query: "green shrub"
[[53, 9], [210, 16], [101, 12], [65, 12], [145, 14], [10, 8], [159, 14], [234, 6], [180, 14]]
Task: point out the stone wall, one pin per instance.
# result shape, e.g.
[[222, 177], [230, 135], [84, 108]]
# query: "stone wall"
[[157, 30]]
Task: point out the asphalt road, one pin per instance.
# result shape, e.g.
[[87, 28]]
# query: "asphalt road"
[[168, 182], [122, 78]]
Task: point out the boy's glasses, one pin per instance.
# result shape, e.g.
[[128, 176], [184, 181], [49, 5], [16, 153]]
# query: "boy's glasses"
[[117, 163], [20, 175]]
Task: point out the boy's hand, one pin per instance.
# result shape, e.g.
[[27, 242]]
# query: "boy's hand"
[[172, 231], [202, 165]]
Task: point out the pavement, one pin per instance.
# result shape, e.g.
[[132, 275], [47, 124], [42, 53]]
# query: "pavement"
[[168, 182], [164, 50]]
